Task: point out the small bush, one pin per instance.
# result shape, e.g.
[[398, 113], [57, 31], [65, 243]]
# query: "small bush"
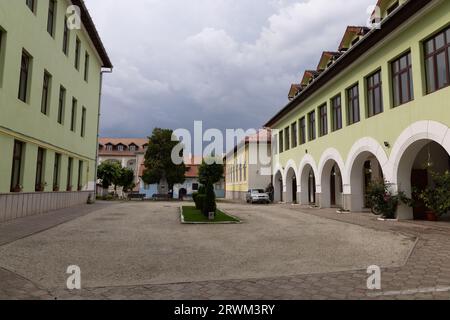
[[209, 204]]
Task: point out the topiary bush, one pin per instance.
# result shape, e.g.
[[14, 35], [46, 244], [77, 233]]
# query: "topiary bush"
[[202, 190], [199, 204], [195, 198], [209, 204]]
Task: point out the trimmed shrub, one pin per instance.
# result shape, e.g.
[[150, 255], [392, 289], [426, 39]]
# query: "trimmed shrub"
[[195, 198], [209, 204], [202, 189], [199, 204]]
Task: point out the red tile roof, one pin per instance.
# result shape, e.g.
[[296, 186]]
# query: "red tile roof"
[[325, 59], [350, 32], [191, 166], [140, 143]]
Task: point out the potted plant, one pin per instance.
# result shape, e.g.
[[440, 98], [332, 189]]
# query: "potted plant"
[[69, 188], [437, 197], [55, 188], [41, 187], [17, 188], [382, 201]]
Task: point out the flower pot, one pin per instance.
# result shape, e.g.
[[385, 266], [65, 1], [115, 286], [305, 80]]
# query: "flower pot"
[[17, 189], [431, 216], [55, 189]]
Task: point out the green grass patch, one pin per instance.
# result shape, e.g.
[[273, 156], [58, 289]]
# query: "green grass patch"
[[191, 214]]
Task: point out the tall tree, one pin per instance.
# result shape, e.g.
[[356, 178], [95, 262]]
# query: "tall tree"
[[210, 173], [158, 159], [109, 173], [126, 179]]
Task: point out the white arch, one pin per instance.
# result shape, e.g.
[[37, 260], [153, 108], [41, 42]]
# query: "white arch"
[[290, 174], [332, 154], [421, 130], [278, 189], [307, 160], [365, 144], [329, 158], [405, 150], [303, 177], [354, 179], [290, 165], [278, 168]]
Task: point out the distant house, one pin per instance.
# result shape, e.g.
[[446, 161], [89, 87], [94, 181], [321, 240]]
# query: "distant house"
[[129, 153], [183, 190], [241, 173]]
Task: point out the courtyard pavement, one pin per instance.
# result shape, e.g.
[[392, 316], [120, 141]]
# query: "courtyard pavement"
[[141, 251]]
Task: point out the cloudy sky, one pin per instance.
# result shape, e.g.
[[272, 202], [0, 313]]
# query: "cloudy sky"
[[228, 63]]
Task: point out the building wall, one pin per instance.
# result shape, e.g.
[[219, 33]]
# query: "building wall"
[[24, 30], [427, 116], [254, 175], [124, 161]]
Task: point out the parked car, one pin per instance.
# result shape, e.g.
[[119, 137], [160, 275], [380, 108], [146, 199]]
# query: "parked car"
[[257, 196]]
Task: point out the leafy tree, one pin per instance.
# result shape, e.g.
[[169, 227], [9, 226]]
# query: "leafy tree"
[[126, 179], [109, 173], [210, 173], [158, 160]]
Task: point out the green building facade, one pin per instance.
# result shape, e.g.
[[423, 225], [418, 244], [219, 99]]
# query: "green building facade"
[[50, 86], [376, 108]]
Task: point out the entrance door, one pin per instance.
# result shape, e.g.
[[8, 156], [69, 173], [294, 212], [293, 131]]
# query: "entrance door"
[[281, 191], [294, 190], [333, 187], [367, 180], [419, 181], [312, 188]]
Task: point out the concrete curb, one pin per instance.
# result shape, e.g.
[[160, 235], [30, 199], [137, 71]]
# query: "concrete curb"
[[210, 223]]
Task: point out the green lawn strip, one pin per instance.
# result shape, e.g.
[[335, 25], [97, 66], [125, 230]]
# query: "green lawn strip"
[[191, 214]]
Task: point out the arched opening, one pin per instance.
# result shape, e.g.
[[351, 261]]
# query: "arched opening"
[[366, 168], [417, 164], [182, 193], [278, 187], [308, 184], [291, 186], [332, 186]]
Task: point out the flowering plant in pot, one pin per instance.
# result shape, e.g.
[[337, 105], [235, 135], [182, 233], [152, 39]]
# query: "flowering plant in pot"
[[41, 187], [437, 197], [17, 188], [382, 201]]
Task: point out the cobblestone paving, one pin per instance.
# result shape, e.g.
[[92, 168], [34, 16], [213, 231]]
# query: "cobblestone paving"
[[426, 275]]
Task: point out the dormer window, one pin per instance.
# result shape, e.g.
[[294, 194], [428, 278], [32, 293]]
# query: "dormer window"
[[392, 8], [355, 41], [120, 148], [132, 148], [109, 147]]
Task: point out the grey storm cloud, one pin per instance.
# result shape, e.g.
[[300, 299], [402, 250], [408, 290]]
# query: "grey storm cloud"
[[228, 63]]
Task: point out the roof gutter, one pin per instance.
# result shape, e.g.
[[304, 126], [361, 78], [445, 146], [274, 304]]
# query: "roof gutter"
[[389, 24]]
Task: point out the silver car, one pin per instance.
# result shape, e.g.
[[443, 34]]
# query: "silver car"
[[257, 196]]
